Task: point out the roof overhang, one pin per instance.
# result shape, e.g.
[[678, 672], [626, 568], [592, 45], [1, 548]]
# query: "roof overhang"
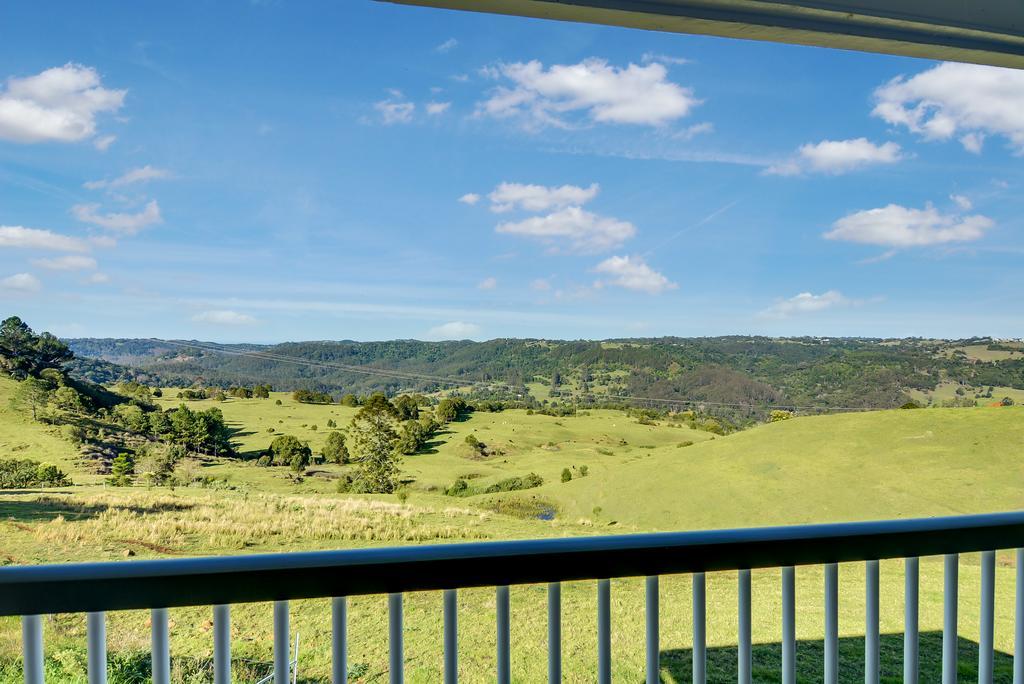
[[980, 31]]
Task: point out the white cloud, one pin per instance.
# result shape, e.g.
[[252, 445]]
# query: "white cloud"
[[633, 273], [488, 283], [837, 157], [97, 278], [224, 317], [103, 143], [649, 57], [21, 283], [470, 198], [606, 94], [950, 99], [508, 196], [143, 174], [35, 238], [898, 226], [540, 285], [447, 46], [56, 105], [128, 224], [962, 201], [691, 132], [437, 108], [455, 330], [584, 231], [805, 303], [395, 110], [66, 263]]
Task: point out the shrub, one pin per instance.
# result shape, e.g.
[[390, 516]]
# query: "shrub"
[[265, 461], [1006, 401], [779, 415], [566, 475], [584, 470], [459, 488]]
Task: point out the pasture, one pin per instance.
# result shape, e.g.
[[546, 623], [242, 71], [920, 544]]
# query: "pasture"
[[639, 478]]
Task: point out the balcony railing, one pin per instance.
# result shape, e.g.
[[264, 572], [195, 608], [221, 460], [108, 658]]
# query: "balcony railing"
[[157, 585]]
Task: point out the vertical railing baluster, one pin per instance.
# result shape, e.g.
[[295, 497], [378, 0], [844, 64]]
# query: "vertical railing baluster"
[[700, 621], [604, 631], [831, 623], [986, 653], [282, 643], [451, 636], [222, 644], [872, 663], [911, 639], [32, 648], [96, 647], [1018, 623], [789, 625], [653, 638], [339, 640], [161, 646], [396, 648], [504, 635], [744, 652], [949, 634], [554, 632]]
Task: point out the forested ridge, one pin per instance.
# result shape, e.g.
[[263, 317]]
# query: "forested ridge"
[[806, 371]]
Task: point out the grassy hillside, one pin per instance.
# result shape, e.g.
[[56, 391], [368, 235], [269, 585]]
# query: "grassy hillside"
[[20, 437], [640, 478], [854, 466]]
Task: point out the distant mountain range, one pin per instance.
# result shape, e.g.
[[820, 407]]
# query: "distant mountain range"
[[750, 371]]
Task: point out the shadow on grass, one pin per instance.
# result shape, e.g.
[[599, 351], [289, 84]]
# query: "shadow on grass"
[[52, 505], [810, 655]]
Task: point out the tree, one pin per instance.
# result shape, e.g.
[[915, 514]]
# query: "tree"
[[121, 470], [1006, 401], [350, 400], [67, 400], [566, 474], [373, 437], [406, 407], [31, 393], [261, 391], [334, 449], [288, 450], [413, 436], [23, 353]]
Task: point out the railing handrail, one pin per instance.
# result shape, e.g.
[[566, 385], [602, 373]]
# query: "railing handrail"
[[123, 585]]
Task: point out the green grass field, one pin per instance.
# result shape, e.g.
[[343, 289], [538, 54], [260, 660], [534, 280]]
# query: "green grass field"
[[640, 478]]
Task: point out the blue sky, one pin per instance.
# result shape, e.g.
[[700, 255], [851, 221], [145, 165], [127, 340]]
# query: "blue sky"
[[265, 171]]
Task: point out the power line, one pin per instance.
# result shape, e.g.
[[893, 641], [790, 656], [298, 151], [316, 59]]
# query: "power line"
[[461, 382]]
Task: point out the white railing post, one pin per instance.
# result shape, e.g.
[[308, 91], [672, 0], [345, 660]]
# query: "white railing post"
[[986, 650], [1018, 623], [222, 644], [396, 648], [504, 637], [872, 661], [554, 633], [32, 648], [451, 636], [744, 652], [831, 624], [911, 640], [161, 647], [949, 633], [339, 640], [282, 643], [700, 621], [653, 638], [96, 647], [604, 631], [789, 625]]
